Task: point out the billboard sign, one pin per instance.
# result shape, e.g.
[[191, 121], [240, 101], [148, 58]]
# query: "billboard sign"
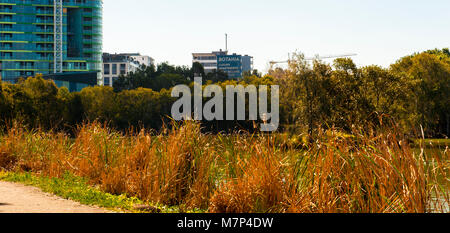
[[230, 64]]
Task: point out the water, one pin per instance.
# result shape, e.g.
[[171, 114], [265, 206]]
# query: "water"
[[438, 205]]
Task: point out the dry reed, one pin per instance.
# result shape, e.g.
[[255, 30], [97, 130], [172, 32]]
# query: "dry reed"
[[240, 173]]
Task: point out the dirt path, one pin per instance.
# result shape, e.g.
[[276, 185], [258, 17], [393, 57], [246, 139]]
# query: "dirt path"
[[17, 198]]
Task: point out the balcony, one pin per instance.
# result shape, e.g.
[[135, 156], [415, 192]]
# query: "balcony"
[[47, 21], [48, 30]]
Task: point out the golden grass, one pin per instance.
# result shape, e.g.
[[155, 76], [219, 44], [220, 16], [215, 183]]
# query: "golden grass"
[[240, 173]]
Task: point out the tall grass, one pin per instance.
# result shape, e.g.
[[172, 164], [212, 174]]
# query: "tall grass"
[[240, 173]]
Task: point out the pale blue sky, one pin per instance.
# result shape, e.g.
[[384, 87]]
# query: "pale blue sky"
[[379, 31]]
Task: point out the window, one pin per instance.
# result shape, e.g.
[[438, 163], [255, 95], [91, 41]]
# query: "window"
[[106, 69], [123, 68], [106, 81], [114, 69]]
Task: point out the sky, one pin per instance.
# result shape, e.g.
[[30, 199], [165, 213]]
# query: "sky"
[[378, 31]]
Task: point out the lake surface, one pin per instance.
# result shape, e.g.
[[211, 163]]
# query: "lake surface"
[[439, 148]]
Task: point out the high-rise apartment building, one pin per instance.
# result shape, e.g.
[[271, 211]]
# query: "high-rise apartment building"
[[50, 37]]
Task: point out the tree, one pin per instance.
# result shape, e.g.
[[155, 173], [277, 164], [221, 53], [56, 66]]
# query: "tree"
[[427, 77], [217, 76], [43, 103], [139, 107], [316, 96], [295, 94], [72, 107], [250, 73], [99, 103], [198, 69], [164, 76], [167, 81], [5, 104]]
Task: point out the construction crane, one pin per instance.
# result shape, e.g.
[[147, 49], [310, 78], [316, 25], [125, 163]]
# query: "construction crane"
[[58, 35], [317, 57]]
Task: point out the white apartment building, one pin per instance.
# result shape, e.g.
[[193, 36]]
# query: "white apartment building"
[[142, 60], [115, 65]]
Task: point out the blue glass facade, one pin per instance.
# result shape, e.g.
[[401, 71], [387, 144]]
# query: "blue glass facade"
[[74, 82], [27, 37]]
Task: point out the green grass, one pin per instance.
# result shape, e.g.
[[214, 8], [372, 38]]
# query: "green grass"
[[76, 189]]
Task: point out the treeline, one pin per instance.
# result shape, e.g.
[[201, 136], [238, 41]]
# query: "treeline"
[[138, 100], [39, 103], [411, 94], [165, 76], [36, 102]]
